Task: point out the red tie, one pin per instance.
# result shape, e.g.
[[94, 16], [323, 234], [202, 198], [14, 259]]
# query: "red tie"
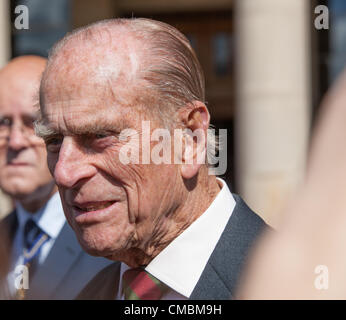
[[140, 285]]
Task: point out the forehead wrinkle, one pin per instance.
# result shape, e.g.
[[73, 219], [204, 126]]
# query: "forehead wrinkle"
[[102, 85], [117, 64], [97, 57], [89, 125], [93, 126], [109, 55]]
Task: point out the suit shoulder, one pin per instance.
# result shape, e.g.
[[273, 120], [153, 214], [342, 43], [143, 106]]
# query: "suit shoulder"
[[230, 254], [244, 217], [9, 225], [103, 286], [9, 219]]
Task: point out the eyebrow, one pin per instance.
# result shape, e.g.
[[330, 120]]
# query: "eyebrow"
[[32, 115], [45, 131]]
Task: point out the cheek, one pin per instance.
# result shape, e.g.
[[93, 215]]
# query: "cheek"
[[66, 209], [3, 156], [125, 173], [41, 159], [131, 177], [143, 179]]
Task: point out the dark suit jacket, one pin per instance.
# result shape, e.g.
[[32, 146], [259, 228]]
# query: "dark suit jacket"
[[67, 268], [219, 278]]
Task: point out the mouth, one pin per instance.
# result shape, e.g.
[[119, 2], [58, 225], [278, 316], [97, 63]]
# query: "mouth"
[[89, 212], [18, 164], [93, 206]]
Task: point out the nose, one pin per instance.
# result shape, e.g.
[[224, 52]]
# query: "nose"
[[17, 139], [73, 165]]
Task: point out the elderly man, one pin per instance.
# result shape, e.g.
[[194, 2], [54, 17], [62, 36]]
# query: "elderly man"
[[177, 230], [40, 236]]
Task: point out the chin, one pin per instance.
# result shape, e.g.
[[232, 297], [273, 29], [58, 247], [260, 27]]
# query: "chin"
[[96, 249], [18, 191], [97, 244]]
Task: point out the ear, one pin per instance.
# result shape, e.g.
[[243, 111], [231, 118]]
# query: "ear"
[[195, 116]]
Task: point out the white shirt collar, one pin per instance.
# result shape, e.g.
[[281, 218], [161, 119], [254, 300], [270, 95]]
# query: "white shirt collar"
[[182, 262], [50, 218]]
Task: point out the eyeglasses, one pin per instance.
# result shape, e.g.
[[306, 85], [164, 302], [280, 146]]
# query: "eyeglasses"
[[26, 125]]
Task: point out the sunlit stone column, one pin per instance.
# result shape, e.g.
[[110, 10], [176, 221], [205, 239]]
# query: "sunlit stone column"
[[273, 101], [5, 205], [5, 32], [5, 51]]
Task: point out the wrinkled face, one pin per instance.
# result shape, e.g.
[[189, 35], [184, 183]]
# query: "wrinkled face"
[[23, 164], [111, 206]]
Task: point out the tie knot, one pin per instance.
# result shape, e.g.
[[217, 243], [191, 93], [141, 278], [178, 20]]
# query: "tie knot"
[[138, 284], [31, 232]]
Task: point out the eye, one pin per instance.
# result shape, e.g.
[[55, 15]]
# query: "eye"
[[101, 140], [28, 121], [53, 144], [101, 135], [5, 122]]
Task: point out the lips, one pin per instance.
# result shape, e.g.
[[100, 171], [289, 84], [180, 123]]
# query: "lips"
[[92, 206], [87, 213], [17, 164]]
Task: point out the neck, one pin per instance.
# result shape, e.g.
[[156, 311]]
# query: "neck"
[[199, 194], [36, 200]]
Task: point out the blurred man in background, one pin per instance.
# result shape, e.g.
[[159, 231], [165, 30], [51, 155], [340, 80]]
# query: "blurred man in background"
[[40, 239]]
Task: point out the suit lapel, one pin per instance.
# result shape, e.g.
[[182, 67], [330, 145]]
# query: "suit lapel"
[[61, 258], [210, 286], [10, 223], [219, 278]]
